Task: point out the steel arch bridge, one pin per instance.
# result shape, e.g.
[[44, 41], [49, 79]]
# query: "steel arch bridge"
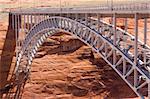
[[125, 53]]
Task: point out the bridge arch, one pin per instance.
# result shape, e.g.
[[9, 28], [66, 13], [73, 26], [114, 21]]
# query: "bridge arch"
[[38, 33]]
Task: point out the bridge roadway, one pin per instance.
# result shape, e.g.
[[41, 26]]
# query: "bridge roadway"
[[120, 9], [125, 53]]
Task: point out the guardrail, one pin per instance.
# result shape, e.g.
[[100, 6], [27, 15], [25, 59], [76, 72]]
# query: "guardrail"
[[137, 6], [108, 7]]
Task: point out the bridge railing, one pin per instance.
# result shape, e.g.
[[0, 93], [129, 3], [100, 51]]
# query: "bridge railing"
[[102, 7], [136, 6], [142, 6]]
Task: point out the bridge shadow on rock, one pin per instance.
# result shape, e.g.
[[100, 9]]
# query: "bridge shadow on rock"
[[7, 55]]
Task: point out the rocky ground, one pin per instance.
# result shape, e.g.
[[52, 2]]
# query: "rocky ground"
[[72, 74]]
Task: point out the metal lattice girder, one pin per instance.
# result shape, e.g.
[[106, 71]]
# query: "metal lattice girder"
[[107, 40]]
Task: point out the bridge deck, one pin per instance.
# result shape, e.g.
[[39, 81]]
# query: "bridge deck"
[[80, 10], [125, 12]]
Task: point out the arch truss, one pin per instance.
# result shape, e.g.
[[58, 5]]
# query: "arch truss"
[[128, 56]]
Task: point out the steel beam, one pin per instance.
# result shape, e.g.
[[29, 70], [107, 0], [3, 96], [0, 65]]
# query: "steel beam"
[[125, 45], [31, 19], [114, 38], [136, 50], [98, 22], [136, 39], [86, 19], [145, 40]]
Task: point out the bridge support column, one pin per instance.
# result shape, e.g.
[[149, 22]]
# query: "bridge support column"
[[126, 30], [23, 24], [136, 39], [145, 40], [86, 19], [98, 22], [17, 23], [76, 16], [31, 20], [125, 45], [114, 38], [136, 49], [35, 19], [28, 28], [126, 24]]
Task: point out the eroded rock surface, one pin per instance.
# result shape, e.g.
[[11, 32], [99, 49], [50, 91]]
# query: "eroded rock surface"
[[72, 73]]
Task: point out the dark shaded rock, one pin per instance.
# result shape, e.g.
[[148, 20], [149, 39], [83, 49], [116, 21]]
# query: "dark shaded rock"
[[97, 88], [78, 91]]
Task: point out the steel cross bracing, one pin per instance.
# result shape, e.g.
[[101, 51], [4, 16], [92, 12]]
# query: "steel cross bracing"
[[125, 53]]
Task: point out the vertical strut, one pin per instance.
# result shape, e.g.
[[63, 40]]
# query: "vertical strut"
[[145, 31], [34, 19], [16, 34], [86, 19], [28, 23], [13, 22], [101, 25], [124, 66], [125, 45], [76, 16], [37, 18], [19, 26], [68, 25], [98, 22], [126, 30], [136, 39], [126, 25], [15, 27], [31, 19], [114, 39], [136, 49], [145, 39]]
